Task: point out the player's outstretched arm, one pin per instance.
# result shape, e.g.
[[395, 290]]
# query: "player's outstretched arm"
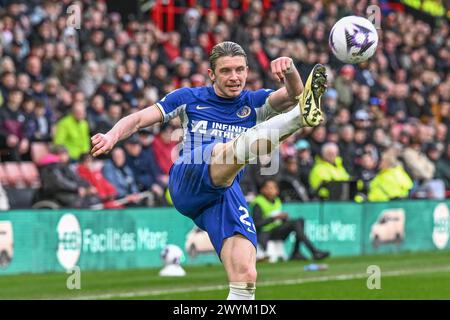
[[125, 127], [285, 71]]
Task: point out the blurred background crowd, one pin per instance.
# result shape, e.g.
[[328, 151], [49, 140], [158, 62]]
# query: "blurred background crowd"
[[386, 131]]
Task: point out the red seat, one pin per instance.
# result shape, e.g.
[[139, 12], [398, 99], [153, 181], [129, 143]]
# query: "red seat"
[[14, 175], [30, 174]]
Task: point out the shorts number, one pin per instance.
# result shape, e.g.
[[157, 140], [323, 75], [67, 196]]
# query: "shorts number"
[[250, 226]]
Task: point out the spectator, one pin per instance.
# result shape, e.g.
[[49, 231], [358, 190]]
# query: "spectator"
[[273, 224], [332, 134], [120, 176], [12, 128], [114, 114], [172, 47], [361, 100], [38, 126], [72, 131], [101, 187], [91, 78], [143, 165], [164, 148], [398, 101], [392, 182], [127, 91], [421, 168], [96, 115], [34, 67], [365, 173], [362, 119], [60, 183], [305, 162], [318, 138], [328, 167], [343, 85], [441, 163], [347, 147], [442, 135], [330, 105], [360, 138], [290, 185], [190, 28], [51, 96], [7, 84]]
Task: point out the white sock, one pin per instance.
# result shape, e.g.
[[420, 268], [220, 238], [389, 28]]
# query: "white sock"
[[242, 291], [273, 130]]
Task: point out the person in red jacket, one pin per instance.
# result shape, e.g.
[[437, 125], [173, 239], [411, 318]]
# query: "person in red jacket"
[[104, 189], [162, 146]]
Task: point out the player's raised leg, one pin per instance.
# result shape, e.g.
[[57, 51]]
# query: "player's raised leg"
[[229, 158]]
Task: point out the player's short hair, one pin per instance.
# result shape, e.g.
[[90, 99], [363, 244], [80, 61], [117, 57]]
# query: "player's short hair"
[[225, 49]]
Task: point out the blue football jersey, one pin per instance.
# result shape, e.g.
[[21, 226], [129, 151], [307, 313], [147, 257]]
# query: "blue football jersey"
[[206, 117]]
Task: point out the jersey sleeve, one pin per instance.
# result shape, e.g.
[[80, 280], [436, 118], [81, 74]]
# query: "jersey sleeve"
[[173, 103], [260, 101]]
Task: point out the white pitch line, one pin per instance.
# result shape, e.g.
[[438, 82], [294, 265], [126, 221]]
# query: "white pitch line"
[[342, 277]]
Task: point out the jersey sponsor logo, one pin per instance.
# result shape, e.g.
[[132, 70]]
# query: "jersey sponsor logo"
[[201, 108], [217, 129], [250, 226], [199, 126], [244, 112]]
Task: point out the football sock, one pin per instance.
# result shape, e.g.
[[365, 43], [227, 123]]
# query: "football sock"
[[242, 291], [265, 137]]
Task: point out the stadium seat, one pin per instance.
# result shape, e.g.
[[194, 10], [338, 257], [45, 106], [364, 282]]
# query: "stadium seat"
[[38, 150], [30, 174], [14, 175]]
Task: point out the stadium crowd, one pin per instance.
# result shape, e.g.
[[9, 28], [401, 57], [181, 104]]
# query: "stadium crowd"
[[387, 119]]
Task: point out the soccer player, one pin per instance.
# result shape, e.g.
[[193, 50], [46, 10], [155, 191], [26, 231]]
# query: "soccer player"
[[226, 127]]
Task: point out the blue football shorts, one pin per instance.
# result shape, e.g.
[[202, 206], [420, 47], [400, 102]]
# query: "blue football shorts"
[[221, 211]]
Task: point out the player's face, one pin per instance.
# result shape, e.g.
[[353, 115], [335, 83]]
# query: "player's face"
[[229, 76]]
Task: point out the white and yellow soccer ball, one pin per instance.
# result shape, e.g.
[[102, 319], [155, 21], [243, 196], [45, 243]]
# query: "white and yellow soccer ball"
[[353, 39]]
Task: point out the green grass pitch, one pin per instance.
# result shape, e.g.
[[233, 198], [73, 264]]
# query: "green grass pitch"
[[403, 276]]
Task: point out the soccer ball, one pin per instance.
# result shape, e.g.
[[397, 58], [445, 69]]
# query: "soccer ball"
[[353, 39], [171, 254]]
